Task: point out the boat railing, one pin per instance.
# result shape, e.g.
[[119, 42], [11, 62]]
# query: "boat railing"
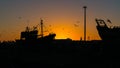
[[100, 22]]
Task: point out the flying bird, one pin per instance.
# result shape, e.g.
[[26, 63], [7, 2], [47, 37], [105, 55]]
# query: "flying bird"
[[109, 21], [76, 25], [19, 17]]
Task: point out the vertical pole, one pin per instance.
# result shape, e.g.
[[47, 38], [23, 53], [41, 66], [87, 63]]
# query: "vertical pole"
[[85, 22], [41, 28]]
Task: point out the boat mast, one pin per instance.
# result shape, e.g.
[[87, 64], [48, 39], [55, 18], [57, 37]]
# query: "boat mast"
[[41, 27]]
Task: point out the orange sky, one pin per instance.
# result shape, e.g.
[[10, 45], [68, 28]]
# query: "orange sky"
[[63, 17]]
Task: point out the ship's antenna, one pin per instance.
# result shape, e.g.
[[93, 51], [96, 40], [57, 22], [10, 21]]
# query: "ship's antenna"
[[28, 23], [27, 28], [84, 22], [41, 23]]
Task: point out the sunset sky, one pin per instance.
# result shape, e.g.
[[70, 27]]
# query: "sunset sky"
[[63, 17]]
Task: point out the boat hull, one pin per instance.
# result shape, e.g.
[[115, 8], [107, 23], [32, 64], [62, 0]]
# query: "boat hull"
[[109, 34]]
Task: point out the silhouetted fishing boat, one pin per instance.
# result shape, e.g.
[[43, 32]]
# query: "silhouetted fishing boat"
[[107, 33], [31, 35]]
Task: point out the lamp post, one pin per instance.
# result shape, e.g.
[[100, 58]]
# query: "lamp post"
[[85, 7]]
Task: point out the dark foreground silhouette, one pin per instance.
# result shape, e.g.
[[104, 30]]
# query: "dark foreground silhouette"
[[39, 51], [60, 54]]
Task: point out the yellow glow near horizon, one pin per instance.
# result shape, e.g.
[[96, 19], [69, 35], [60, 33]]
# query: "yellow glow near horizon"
[[63, 28]]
